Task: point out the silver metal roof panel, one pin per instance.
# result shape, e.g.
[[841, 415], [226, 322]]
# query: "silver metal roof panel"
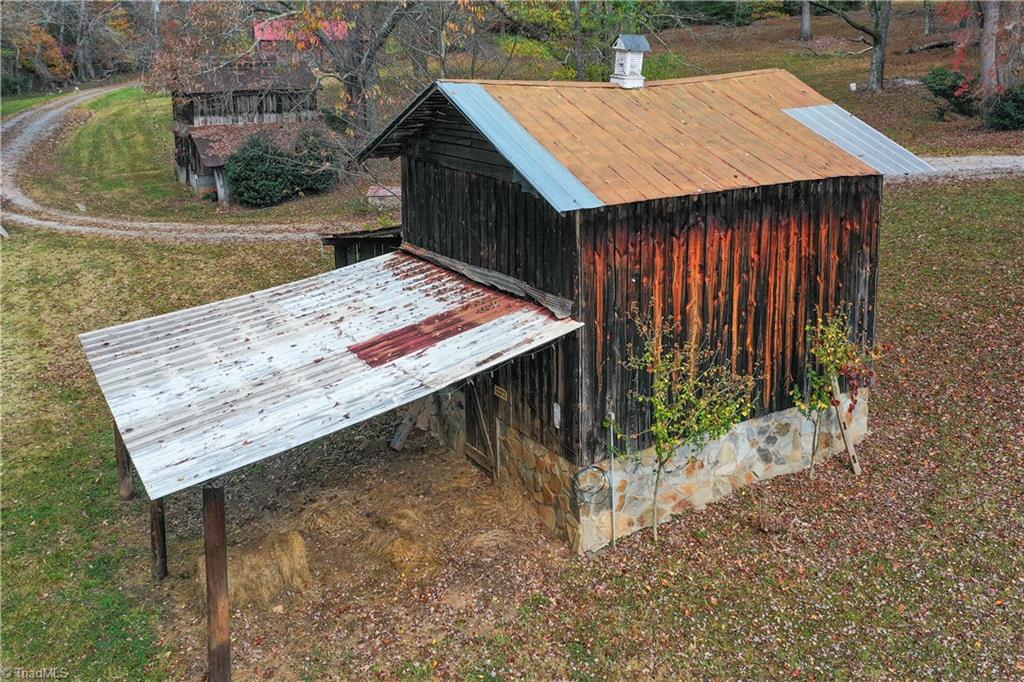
[[201, 392], [632, 42], [537, 166], [852, 135]]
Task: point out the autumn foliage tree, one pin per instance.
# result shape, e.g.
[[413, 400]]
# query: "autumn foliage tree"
[[998, 29], [692, 397]]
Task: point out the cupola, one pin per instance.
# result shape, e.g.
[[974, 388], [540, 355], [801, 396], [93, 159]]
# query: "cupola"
[[629, 60]]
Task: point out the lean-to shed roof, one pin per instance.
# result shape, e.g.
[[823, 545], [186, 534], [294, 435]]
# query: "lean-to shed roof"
[[256, 75], [584, 145], [215, 143], [201, 392]]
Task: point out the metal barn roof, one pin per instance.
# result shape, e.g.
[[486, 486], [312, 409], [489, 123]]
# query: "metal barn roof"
[[201, 392], [582, 145], [859, 139]]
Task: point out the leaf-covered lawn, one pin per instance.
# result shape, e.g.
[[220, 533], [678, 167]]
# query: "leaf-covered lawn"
[[914, 570]]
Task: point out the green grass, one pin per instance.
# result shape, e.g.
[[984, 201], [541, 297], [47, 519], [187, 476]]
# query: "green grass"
[[76, 593], [912, 571], [120, 162], [14, 104]]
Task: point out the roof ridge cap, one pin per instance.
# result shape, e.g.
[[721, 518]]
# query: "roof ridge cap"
[[608, 85]]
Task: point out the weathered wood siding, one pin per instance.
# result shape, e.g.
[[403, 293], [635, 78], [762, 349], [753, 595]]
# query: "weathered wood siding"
[[744, 271], [222, 108], [459, 199]]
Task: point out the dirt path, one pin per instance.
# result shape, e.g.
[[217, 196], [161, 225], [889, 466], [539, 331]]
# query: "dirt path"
[[25, 129]]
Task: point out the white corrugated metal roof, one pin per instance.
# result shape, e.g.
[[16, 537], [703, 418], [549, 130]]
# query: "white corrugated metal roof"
[[856, 137], [201, 392]]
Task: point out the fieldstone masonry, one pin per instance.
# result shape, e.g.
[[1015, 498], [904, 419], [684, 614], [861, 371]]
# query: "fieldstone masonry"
[[754, 450], [547, 477]]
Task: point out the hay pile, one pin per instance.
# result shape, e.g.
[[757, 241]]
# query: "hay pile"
[[410, 524], [257, 574]]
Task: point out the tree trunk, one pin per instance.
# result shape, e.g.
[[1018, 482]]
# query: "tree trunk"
[[577, 32], [805, 22], [1013, 15], [929, 17], [814, 440], [881, 13], [654, 505], [989, 29]]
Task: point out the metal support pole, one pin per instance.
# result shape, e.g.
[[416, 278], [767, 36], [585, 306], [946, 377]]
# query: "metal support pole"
[[125, 487], [158, 538], [611, 468], [217, 612]]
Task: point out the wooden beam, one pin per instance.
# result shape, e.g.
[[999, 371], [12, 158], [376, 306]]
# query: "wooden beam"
[[408, 421], [561, 307], [217, 612], [158, 538], [125, 486]]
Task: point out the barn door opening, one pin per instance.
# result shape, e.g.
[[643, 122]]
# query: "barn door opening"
[[481, 425]]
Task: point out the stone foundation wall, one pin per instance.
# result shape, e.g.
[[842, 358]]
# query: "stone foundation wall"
[[547, 477], [755, 450]]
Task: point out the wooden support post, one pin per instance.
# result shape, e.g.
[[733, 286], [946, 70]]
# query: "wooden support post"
[[125, 487], [398, 440], [847, 441], [158, 538], [217, 613]]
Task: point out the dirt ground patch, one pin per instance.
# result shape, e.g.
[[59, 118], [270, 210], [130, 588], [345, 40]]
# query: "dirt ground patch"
[[400, 546]]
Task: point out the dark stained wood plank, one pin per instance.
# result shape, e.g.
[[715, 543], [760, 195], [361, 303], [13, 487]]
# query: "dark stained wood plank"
[[217, 611]]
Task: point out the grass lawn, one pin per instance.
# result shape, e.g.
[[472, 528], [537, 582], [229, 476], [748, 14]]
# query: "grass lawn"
[[120, 162], [71, 556], [13, 104], [914, 570]]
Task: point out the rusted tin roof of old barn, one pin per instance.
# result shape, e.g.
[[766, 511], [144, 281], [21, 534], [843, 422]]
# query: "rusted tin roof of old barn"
[[256, 75], [584, 145], [215, 143], [204, 391]]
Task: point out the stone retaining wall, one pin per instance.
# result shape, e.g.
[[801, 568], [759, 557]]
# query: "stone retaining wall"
[[547, 477], [754, 450]]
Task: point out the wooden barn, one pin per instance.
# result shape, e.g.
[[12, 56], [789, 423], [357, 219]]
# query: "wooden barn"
[[215, 112], [740, 207], [535, 215]]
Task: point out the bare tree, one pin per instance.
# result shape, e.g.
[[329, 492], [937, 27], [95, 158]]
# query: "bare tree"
[[989, 34], [806, 35], [877, 35], [929, 17], [577, 33]]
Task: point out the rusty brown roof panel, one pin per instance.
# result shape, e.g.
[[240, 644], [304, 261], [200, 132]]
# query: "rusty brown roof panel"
[[678, 137]]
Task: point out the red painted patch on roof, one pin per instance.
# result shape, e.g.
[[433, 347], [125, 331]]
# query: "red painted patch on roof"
[[286, 30], [429, 331]]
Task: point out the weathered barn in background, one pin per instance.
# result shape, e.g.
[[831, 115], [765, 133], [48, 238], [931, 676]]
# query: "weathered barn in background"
[[216, 112], [271, 93]]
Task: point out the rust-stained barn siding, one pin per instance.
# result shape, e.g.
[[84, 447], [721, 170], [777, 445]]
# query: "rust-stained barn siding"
[[459, 200], [744, 271]]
